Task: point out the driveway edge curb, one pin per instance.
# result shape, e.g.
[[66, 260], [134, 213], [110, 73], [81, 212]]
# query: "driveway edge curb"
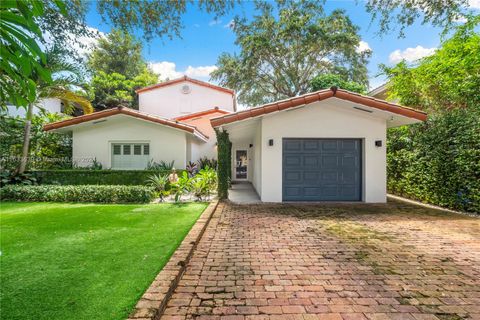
[[153, 302]]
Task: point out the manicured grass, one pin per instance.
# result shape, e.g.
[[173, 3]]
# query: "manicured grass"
[[84, 261]]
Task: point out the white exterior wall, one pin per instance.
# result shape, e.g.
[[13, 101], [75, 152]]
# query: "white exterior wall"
[[321, 120], [170, 102], [257, 160], [95, 140], [50, 105]]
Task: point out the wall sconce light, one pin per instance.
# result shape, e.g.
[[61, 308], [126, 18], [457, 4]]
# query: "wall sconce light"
[[270, 142], [378, 143], [251, 145]]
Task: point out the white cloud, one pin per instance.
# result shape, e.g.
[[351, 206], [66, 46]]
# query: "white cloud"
[[214, 22], [363, 46], [474, 4], [196, 25], [168, 70], [410, 54], [230, 24]]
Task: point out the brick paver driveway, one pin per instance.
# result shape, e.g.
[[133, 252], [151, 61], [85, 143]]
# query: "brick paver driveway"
[[394, 261]]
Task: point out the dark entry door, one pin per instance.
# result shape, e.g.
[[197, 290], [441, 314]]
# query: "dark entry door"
[[322, 169]]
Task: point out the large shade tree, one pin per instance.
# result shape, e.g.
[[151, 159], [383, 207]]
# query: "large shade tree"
[[285, 46], [118, 69]]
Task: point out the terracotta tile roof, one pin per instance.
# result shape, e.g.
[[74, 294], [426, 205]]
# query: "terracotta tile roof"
[[185, 78], [129, 112], [202, 113], [319, 96]]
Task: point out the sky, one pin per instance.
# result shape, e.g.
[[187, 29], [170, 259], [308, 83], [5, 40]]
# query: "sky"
[[204, 38]]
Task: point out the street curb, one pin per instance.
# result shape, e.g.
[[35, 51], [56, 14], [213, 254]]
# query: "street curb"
[[153, 302]]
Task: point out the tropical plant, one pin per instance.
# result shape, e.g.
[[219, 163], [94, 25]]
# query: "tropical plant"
[[160, 183], [67, 78], [7, 178], [192, 169], [284, 47], [21, 58], [204, 183], [206, 162], [160, 166], [182, 186]]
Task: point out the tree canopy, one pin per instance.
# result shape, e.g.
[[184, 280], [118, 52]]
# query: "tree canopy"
[[325, 81], [440, 13], [281, 53], [450, 78], [118, 69]]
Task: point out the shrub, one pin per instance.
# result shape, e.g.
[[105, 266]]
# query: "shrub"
[[160, 166], [182, 186], [160, 183], [84, 193], [224, 147], [438, 162], [192, 169], [7, 178], [97, 177], [206, 162], [204, 183]]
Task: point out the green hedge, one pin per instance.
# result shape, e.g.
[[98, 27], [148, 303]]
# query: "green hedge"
[[97, 177], [85, 193], [438, 162]]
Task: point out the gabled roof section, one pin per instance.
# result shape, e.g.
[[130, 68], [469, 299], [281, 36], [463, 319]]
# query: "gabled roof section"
[[308, 98], [182, 79], [129, 112], [201, 114]]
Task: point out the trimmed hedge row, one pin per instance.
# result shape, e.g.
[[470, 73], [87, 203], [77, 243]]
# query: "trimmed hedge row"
[[438, 161], [95, 177], [84, 193]]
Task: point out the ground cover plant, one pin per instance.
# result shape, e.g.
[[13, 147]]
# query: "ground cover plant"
[[85, 261]]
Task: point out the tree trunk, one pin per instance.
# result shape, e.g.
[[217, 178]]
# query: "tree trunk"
[[26, 140]]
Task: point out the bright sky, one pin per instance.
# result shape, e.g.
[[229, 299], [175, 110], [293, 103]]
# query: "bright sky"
[[204, 39]]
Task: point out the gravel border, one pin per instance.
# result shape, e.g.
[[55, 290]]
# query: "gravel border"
[[153, 302]]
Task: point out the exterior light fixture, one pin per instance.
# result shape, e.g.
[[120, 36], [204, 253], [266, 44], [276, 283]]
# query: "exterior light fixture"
[[378, 143], [270, 142]]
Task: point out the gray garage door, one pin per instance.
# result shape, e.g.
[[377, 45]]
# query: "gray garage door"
[[322, 169]]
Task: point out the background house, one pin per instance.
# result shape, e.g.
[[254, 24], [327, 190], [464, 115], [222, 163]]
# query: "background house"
[[172, 124]]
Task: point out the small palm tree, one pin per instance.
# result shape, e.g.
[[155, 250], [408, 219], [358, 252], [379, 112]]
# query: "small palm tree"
[[66, 82]]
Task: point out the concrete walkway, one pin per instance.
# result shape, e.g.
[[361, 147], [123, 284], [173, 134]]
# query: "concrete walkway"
[[243, 193], [352, 261]]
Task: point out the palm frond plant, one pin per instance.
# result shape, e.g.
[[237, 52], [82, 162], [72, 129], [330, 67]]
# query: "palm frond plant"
[[67, 84], [161, 184], [182, 186]]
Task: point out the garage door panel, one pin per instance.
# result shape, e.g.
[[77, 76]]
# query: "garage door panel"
[[321, 169]]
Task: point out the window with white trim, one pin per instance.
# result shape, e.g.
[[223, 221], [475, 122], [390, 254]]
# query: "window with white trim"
[[130, 155]]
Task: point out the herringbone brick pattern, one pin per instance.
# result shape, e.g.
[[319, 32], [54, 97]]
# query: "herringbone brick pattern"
[[392, 261]]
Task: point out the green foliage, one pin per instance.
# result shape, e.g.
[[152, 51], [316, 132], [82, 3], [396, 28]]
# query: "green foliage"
[[110, 55], [80, 193], [224, 147], [160, 166], [114, 89], [284, 47], [21, 57], [448, 79], [326, 81], [47, 150], [438, 162], [95, 177], [206, 162], [116, 78], [160, 183], [7, 178], [204, 183], [156, 17], [440, 13], [182, 186]]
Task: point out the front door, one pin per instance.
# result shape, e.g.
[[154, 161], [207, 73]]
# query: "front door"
[[241, 164]]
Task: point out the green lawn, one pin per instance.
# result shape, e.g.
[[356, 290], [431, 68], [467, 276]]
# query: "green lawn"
[[84, 261]]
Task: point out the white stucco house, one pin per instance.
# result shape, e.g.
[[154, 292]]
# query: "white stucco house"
[[328, 145], [172, 124]]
